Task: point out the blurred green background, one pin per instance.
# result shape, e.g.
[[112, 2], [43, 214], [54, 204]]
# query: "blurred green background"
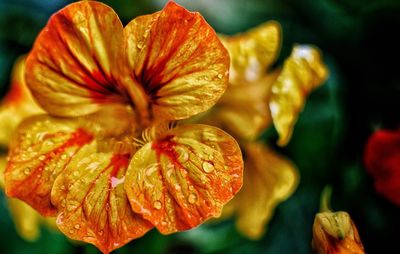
[[359, 41]]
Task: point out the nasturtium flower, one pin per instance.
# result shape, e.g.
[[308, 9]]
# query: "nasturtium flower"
[[15, 106], [256, 98], [106, 159], [382, 160]]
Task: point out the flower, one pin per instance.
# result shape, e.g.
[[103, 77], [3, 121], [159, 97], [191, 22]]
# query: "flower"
[[107, 160], [257, 97], [334, 232], [382, 160], [17, 105]]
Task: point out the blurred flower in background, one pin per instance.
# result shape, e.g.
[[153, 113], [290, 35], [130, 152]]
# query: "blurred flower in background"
[[328, 144]]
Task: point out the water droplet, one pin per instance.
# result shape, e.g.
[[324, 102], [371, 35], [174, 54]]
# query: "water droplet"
[[220, 75], [71, 231], [42, 157], [77, 226], [63, 156], [183, 155], [157, 205], [27, 171], [101, 232], [76, 173], [208, 167], [163, 223], [139, 46], [192, 198]]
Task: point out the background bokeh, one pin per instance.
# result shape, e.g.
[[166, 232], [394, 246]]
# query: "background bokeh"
[[361, 46]]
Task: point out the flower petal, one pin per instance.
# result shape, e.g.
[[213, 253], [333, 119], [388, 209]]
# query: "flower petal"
[[253, 51], [302, 72], [178, 60], [185, 177], [92, 203], [17, 104], [75, 62], [41, 150], [268, 180], [243, 109], [43, 146], [26, 219]]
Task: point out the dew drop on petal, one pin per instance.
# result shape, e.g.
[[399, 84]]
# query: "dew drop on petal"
[[42, 157], [220, 76], [157, 205], [101, 232], [77, 226], [208, 167], [192, 198]]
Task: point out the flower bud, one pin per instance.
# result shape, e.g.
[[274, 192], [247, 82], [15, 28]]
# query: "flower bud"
[[335, 233]]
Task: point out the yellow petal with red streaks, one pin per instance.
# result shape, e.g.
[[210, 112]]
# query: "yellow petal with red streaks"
[[178, 61], [41, 149], [75, 63], [92, 203], [253, 51], [17, 104], [184, 177], [302, 72], [43, 146], [268, 180]]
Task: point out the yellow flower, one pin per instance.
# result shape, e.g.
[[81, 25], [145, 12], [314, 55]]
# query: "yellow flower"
[[107, 160], [17, 105], [257, 97]]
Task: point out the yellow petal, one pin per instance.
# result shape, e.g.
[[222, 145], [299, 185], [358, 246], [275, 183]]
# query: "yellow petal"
[[243, 109], [302, 72], [268, 180], [92, 203], [75, 169], [43, 146], [184, 177], [178, 61], [75, 63], [38, 154], [26, 219], [17, 104], [253, 52]]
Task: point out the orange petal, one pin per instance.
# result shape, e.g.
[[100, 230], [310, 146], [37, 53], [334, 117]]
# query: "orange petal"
[[178, 181], [17, 104], [253, 51], [92, 203], [269, 179], [302, 72], [178, 60], [43, 146], [38, 154], [75, 62]]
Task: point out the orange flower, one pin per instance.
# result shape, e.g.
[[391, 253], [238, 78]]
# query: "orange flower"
[[104, 87], [257, 97]]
